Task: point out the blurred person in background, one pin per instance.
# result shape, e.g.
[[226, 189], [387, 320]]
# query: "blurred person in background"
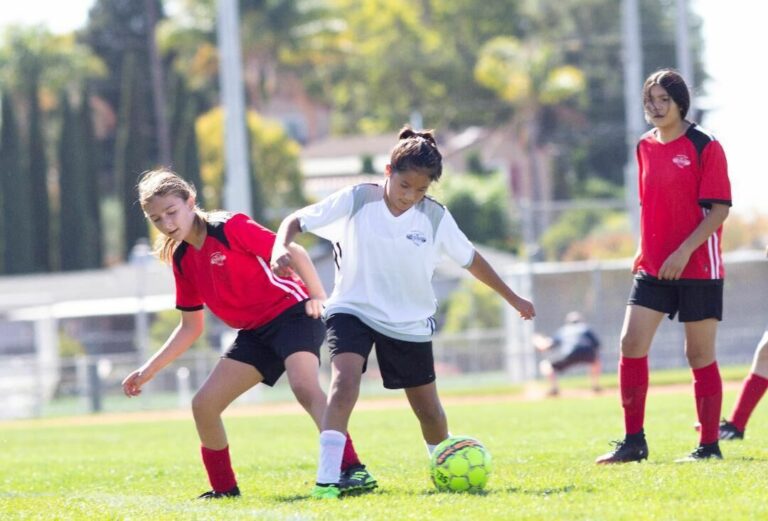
[[579, 343]]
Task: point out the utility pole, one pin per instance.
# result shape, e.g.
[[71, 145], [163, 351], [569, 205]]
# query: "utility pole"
[[635, 121], [683, 45], [158, 86], [237, 187]]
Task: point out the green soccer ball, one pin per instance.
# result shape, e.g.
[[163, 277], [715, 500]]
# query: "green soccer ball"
[[460, 464]]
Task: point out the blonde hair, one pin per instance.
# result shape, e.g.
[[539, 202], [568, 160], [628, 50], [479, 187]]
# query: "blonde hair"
[[160, 183]]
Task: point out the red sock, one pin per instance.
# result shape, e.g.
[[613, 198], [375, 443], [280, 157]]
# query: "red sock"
[[751, 393], [219, 468], [708, 389], [349, 459], [633, 380]]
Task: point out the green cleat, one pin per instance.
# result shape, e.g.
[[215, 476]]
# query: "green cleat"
[[325, 491]]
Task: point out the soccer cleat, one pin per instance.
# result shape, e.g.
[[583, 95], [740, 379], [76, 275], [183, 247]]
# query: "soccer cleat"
[[703, 452], [626, 451], [331, 491], [729, 431], [357, 479], [212, 494]]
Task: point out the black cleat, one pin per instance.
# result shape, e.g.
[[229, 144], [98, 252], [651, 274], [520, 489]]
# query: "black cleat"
[[729, 431], [703, 452], [356, 479], [626, 451], [212, 494]]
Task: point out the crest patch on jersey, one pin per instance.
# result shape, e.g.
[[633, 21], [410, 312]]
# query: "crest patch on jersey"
[[416, 237], [681, 160], [218, 258]]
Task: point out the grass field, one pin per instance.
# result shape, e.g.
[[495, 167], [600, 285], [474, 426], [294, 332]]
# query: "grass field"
[[129, 468]]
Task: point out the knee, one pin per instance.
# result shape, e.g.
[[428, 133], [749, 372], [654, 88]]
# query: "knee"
[[305, 392], [697, 360], [632, 345], [203, 407]]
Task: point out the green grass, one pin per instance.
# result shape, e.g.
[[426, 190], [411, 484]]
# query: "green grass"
[[543, 453]]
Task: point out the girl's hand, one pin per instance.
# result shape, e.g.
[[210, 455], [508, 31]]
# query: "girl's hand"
[[314, 307], [673, 267], [281, 261], [133, 382], [525, 308]]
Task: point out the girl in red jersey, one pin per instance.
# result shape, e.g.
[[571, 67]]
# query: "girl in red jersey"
[[685, 197], [222, 260]]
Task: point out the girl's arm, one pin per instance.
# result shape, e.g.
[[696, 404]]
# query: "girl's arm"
[[483, 272], [302, 264], [674, 265], [281, 253], [189, 329]]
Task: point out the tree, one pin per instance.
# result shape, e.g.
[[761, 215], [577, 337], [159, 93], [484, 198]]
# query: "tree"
[[274, 156], [530, 76], [17, 213], [38, 173], [73, 212], [131, 153]]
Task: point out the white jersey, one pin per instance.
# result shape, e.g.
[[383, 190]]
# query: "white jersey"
[[384, 264]]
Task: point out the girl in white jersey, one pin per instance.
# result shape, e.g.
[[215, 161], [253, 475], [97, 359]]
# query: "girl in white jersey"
[[387, 239]]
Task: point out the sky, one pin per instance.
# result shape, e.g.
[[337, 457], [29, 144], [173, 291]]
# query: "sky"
[[735, 112]]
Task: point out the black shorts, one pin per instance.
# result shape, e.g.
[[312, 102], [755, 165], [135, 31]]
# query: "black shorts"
[[402, 364], [580, 355], [694, 300], [267, 347]]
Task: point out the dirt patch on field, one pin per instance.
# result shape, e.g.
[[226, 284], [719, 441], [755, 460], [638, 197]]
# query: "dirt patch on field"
[[531, 393]]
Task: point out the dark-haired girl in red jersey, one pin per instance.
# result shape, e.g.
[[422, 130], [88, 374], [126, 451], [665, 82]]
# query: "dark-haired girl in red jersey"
[[685, 197], [223, 261]]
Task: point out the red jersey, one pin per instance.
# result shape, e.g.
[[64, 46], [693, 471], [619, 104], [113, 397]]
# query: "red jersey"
[[679, 181], [230, 274]]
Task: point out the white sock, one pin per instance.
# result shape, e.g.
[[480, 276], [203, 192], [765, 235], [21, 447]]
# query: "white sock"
[[431, 448], [331, 452]]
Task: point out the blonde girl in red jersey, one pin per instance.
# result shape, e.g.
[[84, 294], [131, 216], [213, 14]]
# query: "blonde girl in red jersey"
[[685, 197], [221, 260]]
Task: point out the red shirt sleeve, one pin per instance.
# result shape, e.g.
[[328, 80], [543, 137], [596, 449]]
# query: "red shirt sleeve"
[[715, 186], [250, 236]]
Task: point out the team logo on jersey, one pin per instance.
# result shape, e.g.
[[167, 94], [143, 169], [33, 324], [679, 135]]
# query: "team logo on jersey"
[[416, 237], [218, 258], [681, 160]]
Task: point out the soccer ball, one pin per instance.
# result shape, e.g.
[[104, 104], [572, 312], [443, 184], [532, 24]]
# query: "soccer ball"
[[460, 464]]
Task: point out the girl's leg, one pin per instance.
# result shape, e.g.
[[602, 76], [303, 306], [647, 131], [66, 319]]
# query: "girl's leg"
[[708, 386], [594, 372], [752, 391], [426, 405], [228, 380], [302, 371], [640, 325], [347, 370]]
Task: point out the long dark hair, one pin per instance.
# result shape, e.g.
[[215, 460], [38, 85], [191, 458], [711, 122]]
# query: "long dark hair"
[[672, 82]]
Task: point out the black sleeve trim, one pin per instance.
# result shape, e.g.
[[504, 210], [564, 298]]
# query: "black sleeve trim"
[[707, 203], [190, 308], [178, 253]]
